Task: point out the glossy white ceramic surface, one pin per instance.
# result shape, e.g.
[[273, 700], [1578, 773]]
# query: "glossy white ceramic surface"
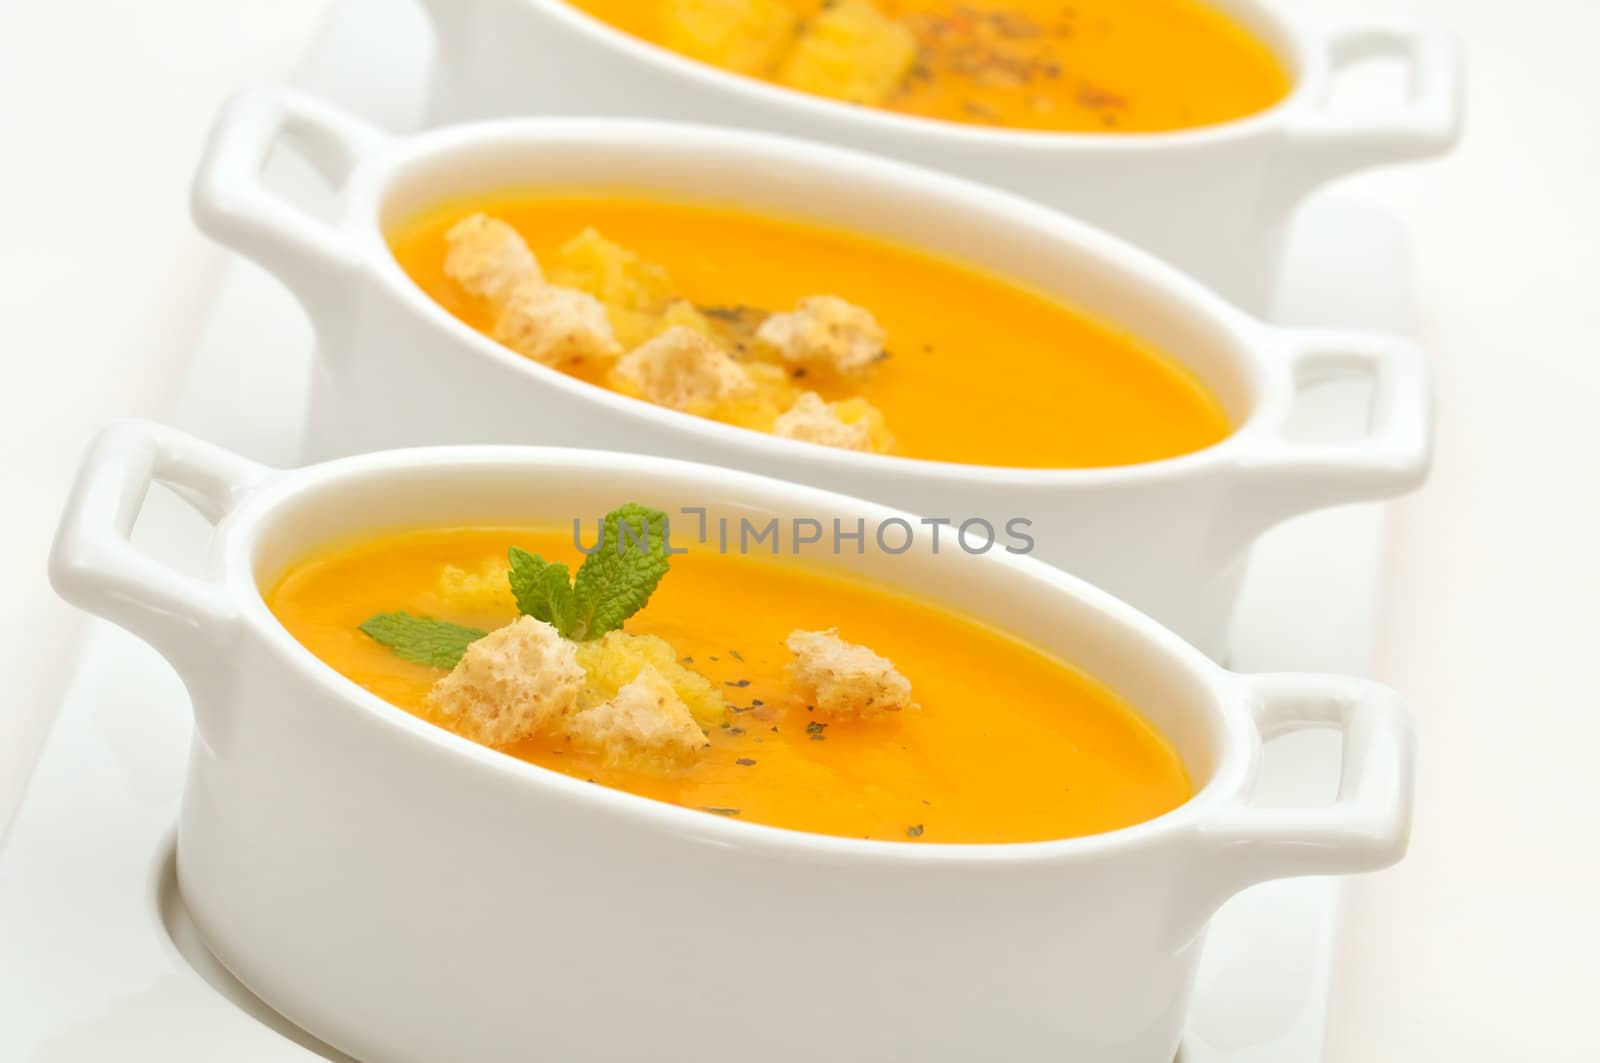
[[395, 369], [465, 905], [1214, 200], [92, 973]]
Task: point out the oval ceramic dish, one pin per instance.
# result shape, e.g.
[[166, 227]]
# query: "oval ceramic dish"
[[461, 904], [394, 368], [1216, 200]]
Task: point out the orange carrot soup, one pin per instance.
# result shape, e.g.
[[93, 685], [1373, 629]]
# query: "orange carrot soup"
[[810, 333], [769, 692], [1103, 66]]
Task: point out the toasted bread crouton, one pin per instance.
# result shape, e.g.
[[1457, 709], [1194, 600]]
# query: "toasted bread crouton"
[[633, 291], [485, 589], [683, 312], [489, 258], [555, 326], [749, 36], [853, 52], [614, 660], [645, 726], [811, 420], [616, 275], [843, 680], [825, 330], [772, 392], [858, 411], [510, 685], [682, 369]]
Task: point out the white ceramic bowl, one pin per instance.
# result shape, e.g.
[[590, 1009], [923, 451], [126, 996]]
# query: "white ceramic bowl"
[[1215, 201], [409, 896], [395, 369]]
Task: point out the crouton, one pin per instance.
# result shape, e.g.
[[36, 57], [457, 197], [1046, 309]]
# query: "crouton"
[[749, 36], [510, 685], [824, 330], [683, 312], [842, 680], [645, 726], [485, 589], [489, 258], [613, 274], [554, 325], [682, 369], [633, 291], [811, 420], [772, 392], [611, 662], [851, 52], [858, 411]]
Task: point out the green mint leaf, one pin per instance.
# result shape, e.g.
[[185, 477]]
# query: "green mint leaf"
[[422, 639], [618, 578], [543, 589]]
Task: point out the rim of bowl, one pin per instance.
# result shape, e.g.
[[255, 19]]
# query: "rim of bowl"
[[1291, 49], [1243, 336], [238, 540]]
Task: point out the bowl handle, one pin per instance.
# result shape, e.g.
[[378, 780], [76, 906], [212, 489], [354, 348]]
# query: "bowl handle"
[[95, 566], [233, 205], [1278, 477], [1368, 826], [1323, 144]]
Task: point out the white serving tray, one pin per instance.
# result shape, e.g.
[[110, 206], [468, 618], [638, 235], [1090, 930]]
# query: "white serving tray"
[[98, 960]]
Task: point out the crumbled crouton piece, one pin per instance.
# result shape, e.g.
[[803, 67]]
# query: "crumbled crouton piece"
[[510, 685], [825, 330], [683, 312], [554, 325], [772, 393], [634, 291], [851, 52], [488, 258], [616, 275], [646, 725], [843, 680], [611, 662], [749, 36], [485, 589], [682, 369], [813, 421], [858, 411]]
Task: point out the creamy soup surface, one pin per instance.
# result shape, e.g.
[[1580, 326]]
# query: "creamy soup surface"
[[1004, 743], [1102, 66], [960, 365]]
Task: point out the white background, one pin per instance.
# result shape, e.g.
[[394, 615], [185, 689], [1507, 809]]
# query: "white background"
[[1485, 944]]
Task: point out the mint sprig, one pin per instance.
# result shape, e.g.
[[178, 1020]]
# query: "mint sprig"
[[543, 589], [613, 583], [618, 579], [422, 639]]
